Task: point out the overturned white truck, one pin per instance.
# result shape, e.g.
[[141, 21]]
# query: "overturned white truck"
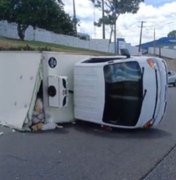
[[113, 91]]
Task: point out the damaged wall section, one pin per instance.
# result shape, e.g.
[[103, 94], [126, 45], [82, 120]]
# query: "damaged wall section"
[[18, 77]]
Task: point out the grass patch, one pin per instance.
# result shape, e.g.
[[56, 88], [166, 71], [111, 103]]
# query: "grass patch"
[[18, 45]]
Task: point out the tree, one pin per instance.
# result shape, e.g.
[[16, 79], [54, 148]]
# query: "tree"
[[172, 34], [113, 8], [47, 14], [4, 4]]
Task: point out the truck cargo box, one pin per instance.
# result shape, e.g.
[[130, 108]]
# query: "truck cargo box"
[[26, 76]]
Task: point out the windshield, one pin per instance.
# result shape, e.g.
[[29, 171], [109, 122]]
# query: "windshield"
[[123, 93]]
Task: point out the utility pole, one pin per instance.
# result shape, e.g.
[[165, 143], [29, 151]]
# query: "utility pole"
[[154, 43], [74, 17], [103, 25], [115, 26], [140, 38], [115, 36]]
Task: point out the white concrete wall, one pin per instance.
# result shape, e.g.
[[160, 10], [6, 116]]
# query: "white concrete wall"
[[170, 53], [163, 52], [10, 30], [132, 49]]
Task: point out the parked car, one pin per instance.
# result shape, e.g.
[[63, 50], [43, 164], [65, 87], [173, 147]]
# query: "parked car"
[[172, 78]]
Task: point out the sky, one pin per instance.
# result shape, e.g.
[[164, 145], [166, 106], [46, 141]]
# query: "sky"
[[159, 16]]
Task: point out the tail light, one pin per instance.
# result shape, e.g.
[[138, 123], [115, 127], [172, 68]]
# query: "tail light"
[[151, 63], [148, 124]]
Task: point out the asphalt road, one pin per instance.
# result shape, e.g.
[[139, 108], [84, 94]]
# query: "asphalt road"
[[87, 152]]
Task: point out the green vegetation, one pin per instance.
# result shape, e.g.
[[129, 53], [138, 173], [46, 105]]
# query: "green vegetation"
[[172, 34], [46, 14], [113, 8], [19, 45]]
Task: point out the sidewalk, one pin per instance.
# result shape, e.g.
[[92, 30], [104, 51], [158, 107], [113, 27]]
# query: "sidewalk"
[[166, 169]]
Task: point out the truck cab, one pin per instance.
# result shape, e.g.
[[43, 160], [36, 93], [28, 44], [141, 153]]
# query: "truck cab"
[[121, 92]]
